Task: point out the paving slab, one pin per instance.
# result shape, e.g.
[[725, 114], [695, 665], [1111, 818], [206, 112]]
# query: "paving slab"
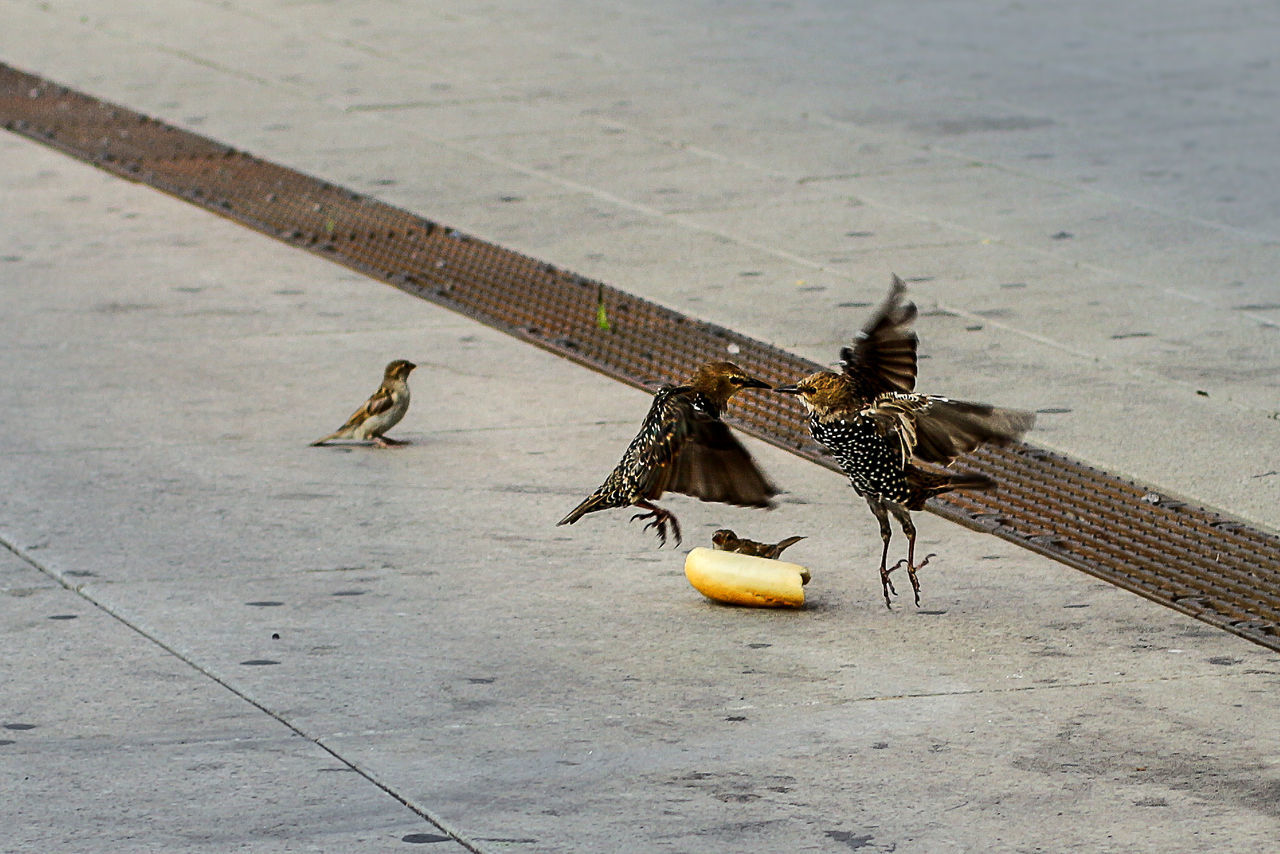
[[110, 743]]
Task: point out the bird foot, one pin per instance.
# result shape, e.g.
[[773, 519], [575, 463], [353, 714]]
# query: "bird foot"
[[887, 584], [384, 442], [911, 573], [661, 518]]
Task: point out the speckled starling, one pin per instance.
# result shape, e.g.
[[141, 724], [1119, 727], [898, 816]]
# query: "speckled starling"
[[875, 425], [683, 446], [382, 411], [726, 540]]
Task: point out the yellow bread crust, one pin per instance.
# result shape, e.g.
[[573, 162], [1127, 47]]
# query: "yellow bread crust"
[[744, 580]]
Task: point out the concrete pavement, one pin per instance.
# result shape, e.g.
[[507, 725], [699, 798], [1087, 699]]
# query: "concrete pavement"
[[216, 638]]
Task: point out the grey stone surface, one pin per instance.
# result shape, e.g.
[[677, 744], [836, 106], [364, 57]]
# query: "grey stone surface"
[[109, 742], [440, 648]]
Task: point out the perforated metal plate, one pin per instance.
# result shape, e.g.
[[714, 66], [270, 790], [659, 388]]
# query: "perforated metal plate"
[[1196, 560]]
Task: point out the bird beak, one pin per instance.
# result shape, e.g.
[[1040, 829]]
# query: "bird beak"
[[787, 389], [752, 382]]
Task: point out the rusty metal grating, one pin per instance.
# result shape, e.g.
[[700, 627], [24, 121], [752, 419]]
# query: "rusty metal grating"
[[1195, 560]]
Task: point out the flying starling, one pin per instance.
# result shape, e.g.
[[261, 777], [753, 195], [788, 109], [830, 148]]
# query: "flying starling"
[[382, 411], [875, 425], [683, 446], [727, 541]]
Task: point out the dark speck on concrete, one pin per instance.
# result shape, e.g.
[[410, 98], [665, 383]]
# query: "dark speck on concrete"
[[853, 840], [423, 838]]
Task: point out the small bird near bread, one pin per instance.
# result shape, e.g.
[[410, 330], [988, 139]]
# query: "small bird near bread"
[[382, 411], [727, 541], [683, 446]]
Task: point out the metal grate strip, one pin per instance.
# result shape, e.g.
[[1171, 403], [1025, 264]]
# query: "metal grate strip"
[[1195, 560]]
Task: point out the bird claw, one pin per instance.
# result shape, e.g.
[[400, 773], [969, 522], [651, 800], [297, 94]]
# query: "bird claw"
[[911, 573], [887, 584], [660, 519]]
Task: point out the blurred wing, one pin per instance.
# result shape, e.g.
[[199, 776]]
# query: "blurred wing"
[[714, 466], [882, 358], [938, 429], [947, 429]]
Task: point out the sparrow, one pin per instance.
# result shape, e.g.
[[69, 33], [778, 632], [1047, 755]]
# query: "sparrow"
[[727, 541], [683, 446], [382, 411]]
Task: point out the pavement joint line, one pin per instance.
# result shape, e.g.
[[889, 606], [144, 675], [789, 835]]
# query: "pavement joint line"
[[421, 810]]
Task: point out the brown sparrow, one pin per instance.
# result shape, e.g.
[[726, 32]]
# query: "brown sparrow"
[[382, 411]]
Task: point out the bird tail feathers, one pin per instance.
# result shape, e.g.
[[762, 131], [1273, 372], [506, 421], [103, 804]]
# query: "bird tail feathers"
[[785, 544], [590, 504], [923, 485]]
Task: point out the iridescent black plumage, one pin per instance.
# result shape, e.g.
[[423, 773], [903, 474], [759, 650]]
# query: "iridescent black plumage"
[[874, 424], [683, 446]]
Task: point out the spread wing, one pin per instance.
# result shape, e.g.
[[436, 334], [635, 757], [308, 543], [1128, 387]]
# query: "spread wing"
[[938, 429], [666, 430], [882, 357], [714, 466], [947, 428]]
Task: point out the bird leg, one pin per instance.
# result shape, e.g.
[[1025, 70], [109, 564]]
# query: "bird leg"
[[886, 534], [384, 442], [661, 518], [903, 515]]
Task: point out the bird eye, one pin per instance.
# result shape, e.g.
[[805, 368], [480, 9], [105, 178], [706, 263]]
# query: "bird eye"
[[736, 380]]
